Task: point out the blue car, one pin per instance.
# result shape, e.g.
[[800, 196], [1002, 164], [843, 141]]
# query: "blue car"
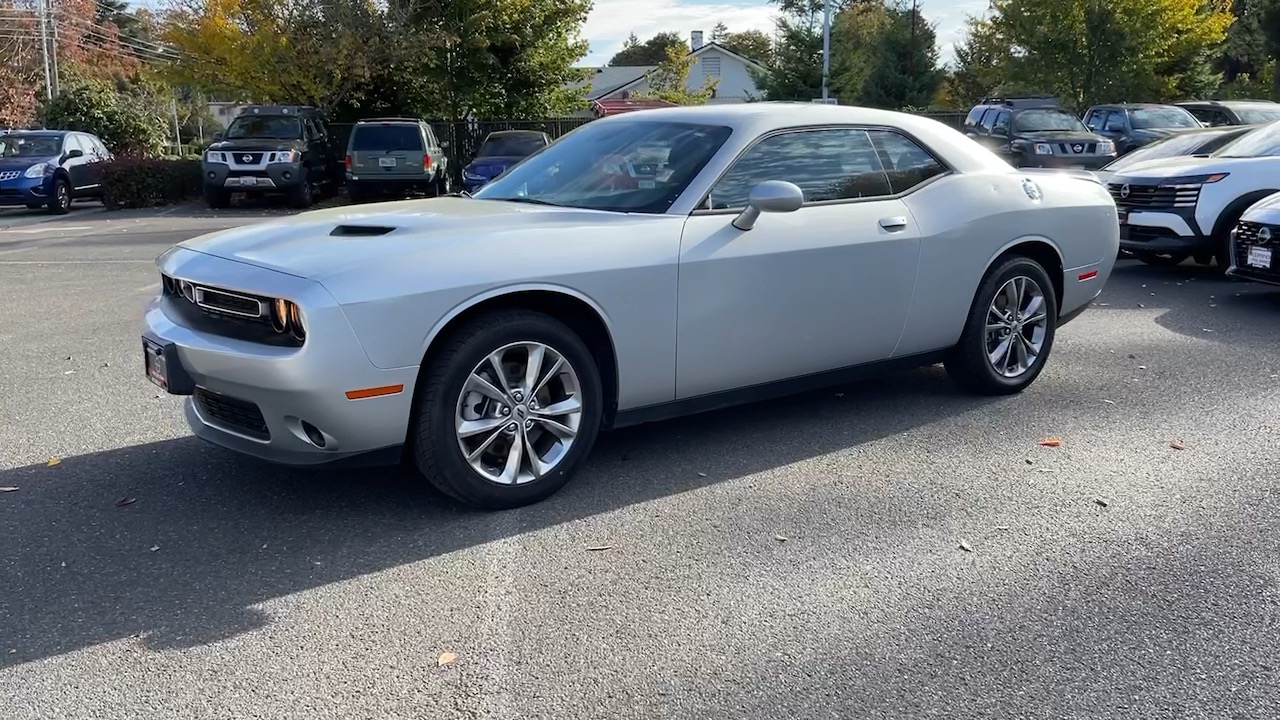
[[50, 168], [499, 151]]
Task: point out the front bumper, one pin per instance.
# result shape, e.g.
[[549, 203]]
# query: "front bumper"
[[274, 177], [259, 399], [1081, 162], [24, 191], [1162, 231]]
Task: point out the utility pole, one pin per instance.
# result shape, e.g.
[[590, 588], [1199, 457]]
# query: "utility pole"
[[826, 46], [43, 9], [177, 134], [911, 59], [53, 47]]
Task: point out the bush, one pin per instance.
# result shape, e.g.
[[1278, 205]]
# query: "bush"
[[138, 182], [123, 116]]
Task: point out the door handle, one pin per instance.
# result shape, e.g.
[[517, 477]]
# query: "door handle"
[[893, 223]]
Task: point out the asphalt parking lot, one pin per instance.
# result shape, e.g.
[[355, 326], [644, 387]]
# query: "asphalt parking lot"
[[885, 550]]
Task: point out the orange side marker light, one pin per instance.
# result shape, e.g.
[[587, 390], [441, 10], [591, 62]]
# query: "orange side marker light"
[[373, 392]]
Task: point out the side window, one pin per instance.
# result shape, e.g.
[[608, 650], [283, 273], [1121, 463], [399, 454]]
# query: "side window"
[[103, 152], [1093, 120], [1218, 117], [312, 133], [988, 120], [1203, 115], [431, 136], [971, 121], [1000, 126], [1115, 121], [832, 164], [907, 163]]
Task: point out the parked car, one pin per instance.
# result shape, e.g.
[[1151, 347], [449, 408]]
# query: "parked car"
[[1036, 131], [272, 149], [395, 156], [1214, 113], [1255, 243], [50, 168], [500, 150], [1130, 126], [487, 339], [1193, 143], [1184, 207]]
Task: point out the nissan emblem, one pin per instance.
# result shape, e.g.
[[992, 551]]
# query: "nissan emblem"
[[1078, 148], [1124, 190], [1264, 235], [247, 158]]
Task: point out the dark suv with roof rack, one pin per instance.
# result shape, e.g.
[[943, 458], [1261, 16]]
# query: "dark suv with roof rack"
[[270, 149], [1035, 131], [1132, 125], [1232, 112]]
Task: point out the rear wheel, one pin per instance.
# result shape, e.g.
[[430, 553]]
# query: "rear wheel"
[[1009, 332], [301, 196], [443, 185], [508, 409]]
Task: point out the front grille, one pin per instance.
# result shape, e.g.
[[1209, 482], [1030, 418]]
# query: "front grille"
[[239, 415], [246, 158], [1147, 197], [1247, 234], [224, 312], [1085, 148], [8, 174], [1247, 237]]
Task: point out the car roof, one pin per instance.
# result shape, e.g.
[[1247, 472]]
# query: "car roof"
[[389, 121], [517, 132], [39, 133], [1130, 106]]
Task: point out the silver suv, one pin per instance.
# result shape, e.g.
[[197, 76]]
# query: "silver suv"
[[395, 156]]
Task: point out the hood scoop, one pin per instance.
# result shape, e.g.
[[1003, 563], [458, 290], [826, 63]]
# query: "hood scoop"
[[360, 230]]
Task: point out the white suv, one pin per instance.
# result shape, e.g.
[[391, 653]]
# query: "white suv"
[[1187, 206]]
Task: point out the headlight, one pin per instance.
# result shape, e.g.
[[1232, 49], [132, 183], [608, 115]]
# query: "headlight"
[[474, 176], [38, 170], [1043, 149], [286, 317], [288, 156], [216, 157], [296, 326], [1106, 147]]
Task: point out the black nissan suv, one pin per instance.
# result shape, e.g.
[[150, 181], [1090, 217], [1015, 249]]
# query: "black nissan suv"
[[1035, 131], [272, 149]]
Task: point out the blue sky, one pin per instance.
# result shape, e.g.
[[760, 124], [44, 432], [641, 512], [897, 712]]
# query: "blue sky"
[[611, 21]]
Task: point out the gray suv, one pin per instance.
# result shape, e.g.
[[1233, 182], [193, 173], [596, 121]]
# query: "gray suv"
[[272, 149], [395, 156]]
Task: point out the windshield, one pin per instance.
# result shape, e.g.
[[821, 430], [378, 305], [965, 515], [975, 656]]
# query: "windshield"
[[1047, 121], [511, 145], [30, 145], [381, 138], [275, 128], [1258, 116], [1262, 142], [613, 165], [1176, 146], [1149, 118]]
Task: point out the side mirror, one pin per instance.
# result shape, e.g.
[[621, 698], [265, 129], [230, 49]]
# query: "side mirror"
[[72, 154], [771, 196], [444, 143], [217, 137]]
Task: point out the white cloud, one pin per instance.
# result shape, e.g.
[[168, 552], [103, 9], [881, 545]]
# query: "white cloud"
[[611, 21]]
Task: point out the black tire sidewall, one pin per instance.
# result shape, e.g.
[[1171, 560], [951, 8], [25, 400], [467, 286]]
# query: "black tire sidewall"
[[440, 403], [973, 341], [60, 189]]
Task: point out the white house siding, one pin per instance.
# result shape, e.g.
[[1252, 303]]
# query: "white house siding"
[[735, 85]]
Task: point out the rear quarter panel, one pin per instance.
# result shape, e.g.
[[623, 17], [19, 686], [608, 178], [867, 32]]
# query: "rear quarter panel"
[[968, 221]]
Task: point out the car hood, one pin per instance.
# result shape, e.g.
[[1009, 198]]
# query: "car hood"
[[22, 163], [1160, 133], [257, 145], [1187, 165], [493, 163], [323, 244], [1066, 136], [1266, 210]]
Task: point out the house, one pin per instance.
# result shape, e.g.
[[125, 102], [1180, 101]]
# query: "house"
[[224, 111], [607, 86]]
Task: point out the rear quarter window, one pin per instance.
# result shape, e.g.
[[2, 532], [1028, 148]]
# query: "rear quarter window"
[[386, 137]]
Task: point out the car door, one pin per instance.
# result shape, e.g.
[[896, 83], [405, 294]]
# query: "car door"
[[999, 137], [825, 287], [77, 167], [1116, 128], [94, 162]]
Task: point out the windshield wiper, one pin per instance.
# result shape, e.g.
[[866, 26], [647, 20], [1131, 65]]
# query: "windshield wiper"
[[529, 200]]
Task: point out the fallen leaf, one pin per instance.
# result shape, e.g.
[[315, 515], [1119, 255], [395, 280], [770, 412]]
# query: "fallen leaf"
[[598, 548], [1100, 501], [1206, 329], [702, 474], [1142, 367], [13, 651], [125, 501], [965, 547], [54, 461], [1045, 470], [839, 394], [1109, 402], [780, 538], [1030, 461], [446, 658], [1002, 527], [1177, 445], [155, 548], [9, 488], [1141, 305], [1050, 442]]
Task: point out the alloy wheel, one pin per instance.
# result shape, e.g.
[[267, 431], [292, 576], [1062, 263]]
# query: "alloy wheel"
[[518, 413], [1017, 324]]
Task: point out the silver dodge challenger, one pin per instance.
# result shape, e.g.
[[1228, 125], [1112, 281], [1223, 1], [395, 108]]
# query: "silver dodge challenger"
[[643, 266]]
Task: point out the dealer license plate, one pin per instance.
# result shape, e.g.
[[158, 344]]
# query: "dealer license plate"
[[387, 162], [154, 362], [248, 181], [1259, 258]]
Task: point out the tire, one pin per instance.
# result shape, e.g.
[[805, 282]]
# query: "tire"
[[60, 197], [443, 185], [301, 197], [355, 193], [435, 446], [968, 363], [216, 198], [1163, 259]]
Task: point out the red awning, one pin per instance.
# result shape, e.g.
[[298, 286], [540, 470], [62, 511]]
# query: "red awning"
[[614, 107]]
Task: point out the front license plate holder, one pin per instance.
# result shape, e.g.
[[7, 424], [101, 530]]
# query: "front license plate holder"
[[1259, 258], [248, 181], [1123, 215], [164, 368]]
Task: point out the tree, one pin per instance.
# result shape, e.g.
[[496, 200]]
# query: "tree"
[[669, 80], [129, 116], [650, 52], [719, 33], [904, 71], [1090, 51], [751, 44], [796, 70]]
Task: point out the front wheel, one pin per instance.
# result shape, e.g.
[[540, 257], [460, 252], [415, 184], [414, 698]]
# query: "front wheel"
[[60, 198], [509, 407], [301, 197], [1009, 332]]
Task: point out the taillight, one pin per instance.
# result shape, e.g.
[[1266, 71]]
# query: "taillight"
[[348, 162], [426, 161]]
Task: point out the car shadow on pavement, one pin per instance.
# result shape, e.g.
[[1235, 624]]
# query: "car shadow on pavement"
[[173, 543]]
